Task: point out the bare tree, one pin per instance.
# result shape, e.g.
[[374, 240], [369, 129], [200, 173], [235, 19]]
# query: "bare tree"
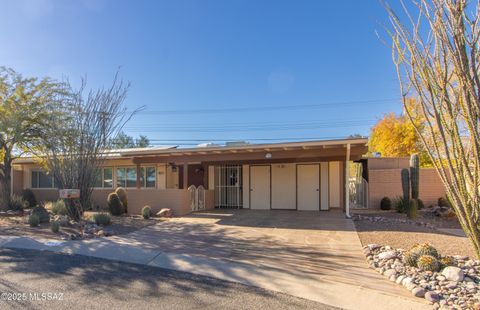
[[79, 144], [437, 57]]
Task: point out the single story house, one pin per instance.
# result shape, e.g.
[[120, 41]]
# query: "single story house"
[[309, 175]]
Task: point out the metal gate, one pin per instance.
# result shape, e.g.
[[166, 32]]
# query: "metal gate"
[[228, 187]]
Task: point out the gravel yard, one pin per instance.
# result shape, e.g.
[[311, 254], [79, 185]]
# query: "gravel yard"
[[404, 236]]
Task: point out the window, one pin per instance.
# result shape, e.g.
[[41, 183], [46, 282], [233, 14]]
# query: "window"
[[104, 178], [42, 180], [148, 177], [127, 177]]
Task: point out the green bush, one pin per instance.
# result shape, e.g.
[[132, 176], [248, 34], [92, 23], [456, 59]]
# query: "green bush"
[[146, 212], [425, 249], [410, 258], [115, 204], [385, 203], [34, 220], [122, 194], [428, 262], [401, 204], [55, 226], [59, 207], [102, 219], [444, 202], [42, 214], [29, 197], [17, 203]]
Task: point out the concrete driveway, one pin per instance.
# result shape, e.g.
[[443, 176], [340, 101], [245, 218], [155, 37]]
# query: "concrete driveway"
[[314, 255]]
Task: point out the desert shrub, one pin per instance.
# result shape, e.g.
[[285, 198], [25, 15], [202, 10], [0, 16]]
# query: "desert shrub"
[[146, 212], [410, 258], [444, 202], [59, 207], [447, 261], [425, 249], [17, 203], [102, 219], [401, 204], [385, 203], [428, 262], [115, 204], [122, 194], [420, 205], [55, 226], [29, 197], [34, 220], [42, 214]]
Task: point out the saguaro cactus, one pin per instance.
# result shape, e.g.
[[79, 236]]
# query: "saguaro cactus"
[[414, 175], [406, 184]]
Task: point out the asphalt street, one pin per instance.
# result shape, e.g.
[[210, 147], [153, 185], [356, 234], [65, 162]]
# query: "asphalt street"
[[45, 280]]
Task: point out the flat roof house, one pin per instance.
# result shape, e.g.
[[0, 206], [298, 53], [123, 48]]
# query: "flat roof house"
[[309, 175]]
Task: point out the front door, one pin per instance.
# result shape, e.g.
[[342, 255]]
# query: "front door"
[[260, 187], [308, 187]]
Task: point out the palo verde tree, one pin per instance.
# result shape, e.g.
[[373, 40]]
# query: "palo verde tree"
[[79, 144], [437, 57], [26, 106]]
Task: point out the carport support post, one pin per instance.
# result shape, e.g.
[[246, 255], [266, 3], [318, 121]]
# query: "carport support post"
[[185, 175], [347, 178]]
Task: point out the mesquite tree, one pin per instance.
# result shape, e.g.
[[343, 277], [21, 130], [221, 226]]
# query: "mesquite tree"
[[437, 57], [26, 106], [78, 145]]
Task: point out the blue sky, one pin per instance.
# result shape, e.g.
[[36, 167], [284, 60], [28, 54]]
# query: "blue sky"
[[262, 69]]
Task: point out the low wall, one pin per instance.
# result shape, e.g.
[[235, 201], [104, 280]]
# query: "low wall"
[[178, 200], [387, 182]]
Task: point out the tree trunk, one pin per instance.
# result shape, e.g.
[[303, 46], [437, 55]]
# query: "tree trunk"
[[5, 181]]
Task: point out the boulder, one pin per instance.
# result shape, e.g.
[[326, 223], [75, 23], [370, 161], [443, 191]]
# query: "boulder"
[[165, 212], [418, 292], [453, 274], [390, 272], [387, 255], [431, 296]]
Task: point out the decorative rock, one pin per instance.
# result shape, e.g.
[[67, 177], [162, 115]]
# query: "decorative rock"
[[387, 255], [451, 285], [390, 272], [400, 279], [406, 281], [410, 286], [431, 296], [165, 212], [418, 292], [453, 273], [372, 247]]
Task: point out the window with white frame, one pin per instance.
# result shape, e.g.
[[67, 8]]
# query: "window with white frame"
[[42, 180], [127, 177], [104, 178]]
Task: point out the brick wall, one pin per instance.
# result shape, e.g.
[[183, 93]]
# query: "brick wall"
[[387, 182]]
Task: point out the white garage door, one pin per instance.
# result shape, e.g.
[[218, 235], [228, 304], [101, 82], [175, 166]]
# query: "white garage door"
[[260, 187], [308, 187]]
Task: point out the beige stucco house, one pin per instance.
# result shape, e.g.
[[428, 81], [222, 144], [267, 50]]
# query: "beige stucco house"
[[310, 175]]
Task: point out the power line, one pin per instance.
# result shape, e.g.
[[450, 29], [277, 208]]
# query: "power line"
[[268, 108]]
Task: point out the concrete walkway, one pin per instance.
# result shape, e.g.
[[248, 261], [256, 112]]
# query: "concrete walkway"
[[316, 256]]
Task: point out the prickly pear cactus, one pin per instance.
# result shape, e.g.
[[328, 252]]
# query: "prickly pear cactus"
[[414, 175]]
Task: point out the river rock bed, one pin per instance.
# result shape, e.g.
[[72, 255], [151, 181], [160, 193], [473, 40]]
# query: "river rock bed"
[[382, 219], [453, 287]]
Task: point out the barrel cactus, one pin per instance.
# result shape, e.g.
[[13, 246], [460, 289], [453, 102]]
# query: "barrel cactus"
[[428, 263], [115, 204], [406, 184], [414, 175], [122, 194], [410, 258], [425, 249], [447, 261]]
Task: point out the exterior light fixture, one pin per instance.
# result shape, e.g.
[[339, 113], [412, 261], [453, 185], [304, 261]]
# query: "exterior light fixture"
[[268, 155]]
